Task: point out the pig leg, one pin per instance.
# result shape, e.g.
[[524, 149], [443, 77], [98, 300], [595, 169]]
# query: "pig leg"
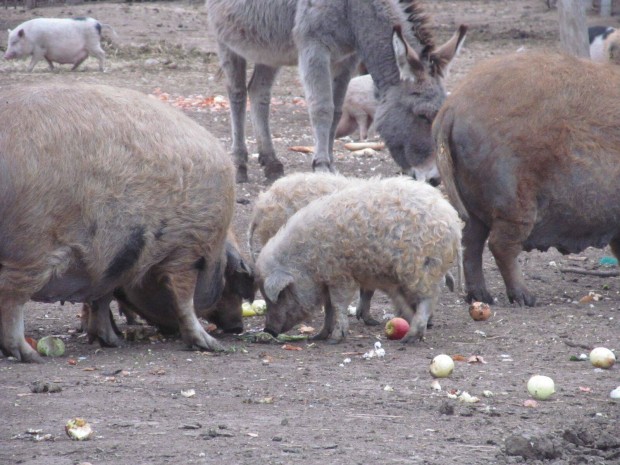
[[328, 321], [98, 53], [362, 123], [346, 125], [37, 55], [259, 89], [101, 324], [506, 243], [180, 286], [339, 300], [475, 235], [418, 320], [234, 68], [49, 62], [80, 60], [363, 308], [12, 340]]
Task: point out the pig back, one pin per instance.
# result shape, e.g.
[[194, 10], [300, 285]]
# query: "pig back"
[[534, 138], [380, 232], [89, 169]]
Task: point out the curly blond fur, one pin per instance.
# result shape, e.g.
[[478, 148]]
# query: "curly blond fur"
[[397, 235]]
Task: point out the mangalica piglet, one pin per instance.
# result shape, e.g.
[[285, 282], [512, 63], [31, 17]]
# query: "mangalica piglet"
[[108, 189], [396, 235], [226, 313], [282, 200], [358, 110], [528, 148], [57, 40]]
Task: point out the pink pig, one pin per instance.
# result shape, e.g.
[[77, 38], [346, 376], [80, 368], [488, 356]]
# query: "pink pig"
[[57, 40]]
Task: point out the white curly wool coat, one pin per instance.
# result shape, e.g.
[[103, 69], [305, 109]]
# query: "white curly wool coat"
[[396, 235]]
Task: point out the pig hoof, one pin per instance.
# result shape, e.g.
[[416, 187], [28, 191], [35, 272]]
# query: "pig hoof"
[[203, 341], [370, 321], [523, 298], [242, 174], [273, 170], [479, 295], [23, 353], [320, 336]]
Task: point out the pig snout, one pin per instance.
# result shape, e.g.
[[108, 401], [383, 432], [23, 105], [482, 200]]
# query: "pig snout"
[[9, 55]]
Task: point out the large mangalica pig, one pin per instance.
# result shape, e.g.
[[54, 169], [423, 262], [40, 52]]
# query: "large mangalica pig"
[[529, 151], [57, 40], [226, 314], [396, 235], [105, 189]]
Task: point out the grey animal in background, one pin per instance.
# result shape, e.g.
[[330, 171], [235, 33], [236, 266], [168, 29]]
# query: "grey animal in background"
[[57, 40], [113, 189], [534, 163], [396, 235], [358, 110], [327, 39]]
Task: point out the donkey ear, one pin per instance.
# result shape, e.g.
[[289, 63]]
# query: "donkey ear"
[[407, 59], [441, 58], [275, 283]]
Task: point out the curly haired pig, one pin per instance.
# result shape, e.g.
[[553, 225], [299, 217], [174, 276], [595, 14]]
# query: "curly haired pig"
[[396, 235], [113, 189], [283, 199]]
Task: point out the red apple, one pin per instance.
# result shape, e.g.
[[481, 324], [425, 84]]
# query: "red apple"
[[396, 328], [479, 311]]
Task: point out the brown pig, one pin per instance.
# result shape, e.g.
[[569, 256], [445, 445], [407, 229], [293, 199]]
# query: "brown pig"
[[104, 188]]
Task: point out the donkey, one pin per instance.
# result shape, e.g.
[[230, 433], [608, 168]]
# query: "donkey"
[[327, 39]]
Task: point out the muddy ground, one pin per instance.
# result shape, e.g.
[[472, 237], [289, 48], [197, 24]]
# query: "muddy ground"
[[263, 404]]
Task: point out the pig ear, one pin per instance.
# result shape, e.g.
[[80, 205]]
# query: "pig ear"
[[407, 59], [441, 58], [20, 33], [275, 283]]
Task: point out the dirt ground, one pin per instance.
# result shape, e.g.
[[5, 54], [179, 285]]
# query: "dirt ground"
[[260, 403]]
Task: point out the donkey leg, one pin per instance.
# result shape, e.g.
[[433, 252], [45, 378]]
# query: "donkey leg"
[[259, 89], [234, 67], [342, 72], [314, 69]]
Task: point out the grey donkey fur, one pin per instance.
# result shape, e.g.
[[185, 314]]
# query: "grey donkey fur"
[[397, 235], [327, 39]]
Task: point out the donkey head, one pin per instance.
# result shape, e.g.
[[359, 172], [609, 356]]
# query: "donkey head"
[[406, 110]]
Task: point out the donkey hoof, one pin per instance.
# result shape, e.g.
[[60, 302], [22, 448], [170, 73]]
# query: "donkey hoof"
[[242, 174], [273, 171], [322, 167]]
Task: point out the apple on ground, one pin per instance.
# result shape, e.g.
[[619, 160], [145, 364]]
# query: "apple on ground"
[[396, 328]]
